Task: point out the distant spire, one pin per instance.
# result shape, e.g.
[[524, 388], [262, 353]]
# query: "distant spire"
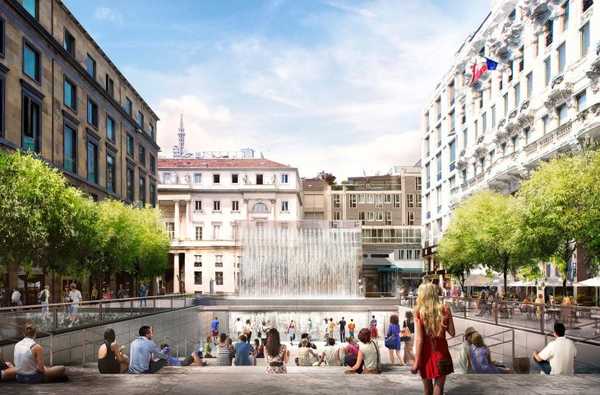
[[179, 150]]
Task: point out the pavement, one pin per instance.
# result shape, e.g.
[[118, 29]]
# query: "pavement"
[[215, 380]]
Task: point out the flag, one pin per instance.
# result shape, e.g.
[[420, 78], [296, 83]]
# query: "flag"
[[491, 64]]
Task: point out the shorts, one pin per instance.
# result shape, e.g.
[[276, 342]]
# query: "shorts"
[[35, 378], [74, 309], [215, 333]]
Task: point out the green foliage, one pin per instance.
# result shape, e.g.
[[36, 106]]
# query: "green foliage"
[[485, 230], [47, 223]]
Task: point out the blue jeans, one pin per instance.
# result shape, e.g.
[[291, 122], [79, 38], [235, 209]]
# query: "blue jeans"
[[544, 366], [35, 378]]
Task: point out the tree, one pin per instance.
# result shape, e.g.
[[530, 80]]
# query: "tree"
[[561, 209], [486, 229], [327, 177], [43, 221]]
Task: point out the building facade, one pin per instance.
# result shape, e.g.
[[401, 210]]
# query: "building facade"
[[204, 200], [389, 209], [489, 129], [317, 199], [63, 98]]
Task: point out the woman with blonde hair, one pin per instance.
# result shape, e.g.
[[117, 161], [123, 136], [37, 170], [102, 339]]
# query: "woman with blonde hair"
[[432, 359]]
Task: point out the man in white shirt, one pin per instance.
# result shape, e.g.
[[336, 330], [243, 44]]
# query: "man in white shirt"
[[238, 327], [15, 298], [558, 357], [75, 296]]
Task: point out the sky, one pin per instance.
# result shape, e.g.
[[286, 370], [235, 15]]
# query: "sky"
[[333, 85]]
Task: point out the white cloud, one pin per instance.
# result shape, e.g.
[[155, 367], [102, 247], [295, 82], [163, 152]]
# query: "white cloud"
[[350, 102], [108, 15]]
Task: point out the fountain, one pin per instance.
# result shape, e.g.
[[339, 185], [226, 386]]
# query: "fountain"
[[304, 259]]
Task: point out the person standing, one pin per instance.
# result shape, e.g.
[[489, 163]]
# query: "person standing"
[[94, 293], [407, 336], [325, 329], [239, 327], [351, 327], [433, 320], [392, 339], [558, 357], [15, 298], [331, 328], [214, 329], [373, 328], [248, 331], [291, 330], [145, 356], [44, 298], [29, 361], [75, 297], [342, 325]]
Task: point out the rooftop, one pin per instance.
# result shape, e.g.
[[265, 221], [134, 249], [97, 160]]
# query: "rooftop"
[[313, 184], [186, 163]]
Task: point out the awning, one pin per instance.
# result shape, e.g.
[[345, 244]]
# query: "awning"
[[477, 280], [590, 282], [395, 269], [522, 283]]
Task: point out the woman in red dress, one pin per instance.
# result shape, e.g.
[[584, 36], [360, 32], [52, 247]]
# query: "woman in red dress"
[[432, 358]]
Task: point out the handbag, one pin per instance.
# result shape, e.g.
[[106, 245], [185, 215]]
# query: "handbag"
[[405, 334], [444, 366], [389, 342]]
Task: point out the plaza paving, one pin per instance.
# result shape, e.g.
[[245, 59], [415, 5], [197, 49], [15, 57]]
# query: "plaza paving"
[[305, 380]]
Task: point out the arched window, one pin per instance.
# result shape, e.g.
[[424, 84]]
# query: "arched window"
[[260, 208]]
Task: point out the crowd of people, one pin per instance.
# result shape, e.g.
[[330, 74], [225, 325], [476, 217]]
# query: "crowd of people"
[[420, 342]]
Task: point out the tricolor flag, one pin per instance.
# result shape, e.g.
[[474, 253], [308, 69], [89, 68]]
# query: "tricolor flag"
[[477, 73]]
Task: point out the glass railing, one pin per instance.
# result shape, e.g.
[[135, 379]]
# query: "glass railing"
[[63, 317]]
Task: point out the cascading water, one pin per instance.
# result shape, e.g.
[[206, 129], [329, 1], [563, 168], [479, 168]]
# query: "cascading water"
[[305, 259]]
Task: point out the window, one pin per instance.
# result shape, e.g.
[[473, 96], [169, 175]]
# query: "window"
[[92, 113], [337, 201], [218, 278], [235, 205], [427, 146], [526, 133], [493, 116], [545, 123], [511, 71], [69, 94], [31, 6], [505, 99], [581, 100], [198, 205], [561, 111], [128, 106], [397, 198], [562, 53], [142, 155], [31, 123], [411, 218], [153, 195], [70, 149], [522, 59], [410, 200], [584, 39], [259, 179], [285, 206], [197, 278], [90, 66], [517, 95], [284, 178], [218, 260], [352, 202], [139, 119], [130, 145], [452, 120], [152, 165], [549, 32], [142, 186], [198, 258], [31, 62], [337, 216], [565, 17], [586, 4], [438, 160], [69, 43], [483, 123], [513, 140], [110, 128], [216, 205], [129, 180], [452, 149], [197, 178], [216, 178], [465, 138], [111, 173], [234, 178], [110, 86], [216, 231], [170, 227], [92, 161], [198, 231], [529, 84], [547, 71], [418, 183]]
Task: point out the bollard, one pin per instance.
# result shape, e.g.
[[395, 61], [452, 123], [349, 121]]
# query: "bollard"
[[542, 314], [51, 349]]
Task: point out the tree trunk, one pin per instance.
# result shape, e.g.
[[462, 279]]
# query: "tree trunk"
[[505, 281]]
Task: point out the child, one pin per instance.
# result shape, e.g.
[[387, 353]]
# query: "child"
[[208, 348]]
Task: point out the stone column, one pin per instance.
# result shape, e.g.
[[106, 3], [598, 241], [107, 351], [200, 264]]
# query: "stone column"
[[176, 220], [176, 268]]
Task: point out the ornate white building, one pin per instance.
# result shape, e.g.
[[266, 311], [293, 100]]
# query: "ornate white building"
[[541, 100], [201, 200]]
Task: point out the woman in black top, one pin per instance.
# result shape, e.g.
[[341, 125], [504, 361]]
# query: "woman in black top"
[[407, 336], [110, 355]]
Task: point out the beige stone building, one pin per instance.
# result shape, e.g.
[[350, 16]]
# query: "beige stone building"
[[389, 208], [62, 97], [317, 199]]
